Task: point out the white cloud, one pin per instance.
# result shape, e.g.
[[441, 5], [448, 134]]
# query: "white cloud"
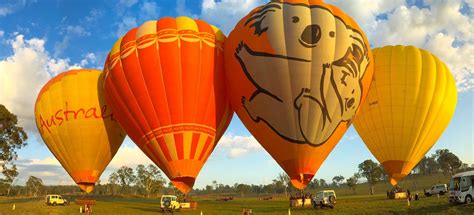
[[181, 9], [2, 33], [45, 161], [236, 146], [24, 73], [438, 27], [149, 11], [129, 155], [226, 13], [48, 169], [90, 58]]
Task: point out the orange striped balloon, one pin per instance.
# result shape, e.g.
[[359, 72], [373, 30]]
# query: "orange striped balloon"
[[165, 83]]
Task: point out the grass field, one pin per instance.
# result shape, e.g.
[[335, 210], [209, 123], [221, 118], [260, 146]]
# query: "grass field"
[[348, 202], [346, 205]]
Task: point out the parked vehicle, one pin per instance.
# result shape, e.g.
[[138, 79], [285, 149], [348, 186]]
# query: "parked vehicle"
[[169, 203], [325, 198], [55, 200], [461, 188], [440, 189]]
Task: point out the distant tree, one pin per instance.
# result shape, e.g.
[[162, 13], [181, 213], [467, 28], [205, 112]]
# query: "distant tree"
[[464, 166], [113, 182], [209, 188], [126, 177], [242, 189], [448, 161], [149, 179], [34, 185], [314, 184], [214, 184], [10, 173], [432, 165], [322, 183], [336, 180], [285, 181], [372, 171], [12, 138], [352, 182]]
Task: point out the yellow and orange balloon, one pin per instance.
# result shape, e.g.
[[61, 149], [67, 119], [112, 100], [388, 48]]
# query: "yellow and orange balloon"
[[77, 125], [410, 103], [297, 72], [165, 83]]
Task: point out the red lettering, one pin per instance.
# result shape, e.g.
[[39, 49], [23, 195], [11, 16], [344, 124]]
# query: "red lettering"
[[91, 113], [43, 125], [58, 117]]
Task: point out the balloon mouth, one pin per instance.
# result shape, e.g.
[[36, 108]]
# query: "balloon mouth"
[[301, 181], [184, 184], [86, 187], [395, 178]]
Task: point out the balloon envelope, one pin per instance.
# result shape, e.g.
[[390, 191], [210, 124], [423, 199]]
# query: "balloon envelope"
[[296, 73], [165, 83], [410, 103], [77, 125]]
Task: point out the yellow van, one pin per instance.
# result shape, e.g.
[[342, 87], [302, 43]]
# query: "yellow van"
[[55, 200]]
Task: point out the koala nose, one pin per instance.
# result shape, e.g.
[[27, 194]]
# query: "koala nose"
[[350, 103], [311, 34]]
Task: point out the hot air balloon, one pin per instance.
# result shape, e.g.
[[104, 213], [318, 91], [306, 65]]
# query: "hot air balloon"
[[165, 83], [297, 71], [77, 125], [410, 103]]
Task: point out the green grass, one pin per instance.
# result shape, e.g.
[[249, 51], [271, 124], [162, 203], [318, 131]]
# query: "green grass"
[[348, 203], [345, 205]]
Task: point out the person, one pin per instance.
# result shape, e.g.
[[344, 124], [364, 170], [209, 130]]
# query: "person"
[[417, 197], [408, 195], [303, 198], [388, 194]]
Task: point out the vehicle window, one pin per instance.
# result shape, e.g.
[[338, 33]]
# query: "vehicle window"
[[454, 183], [60, 197], [166, 198], [320, 195], [465, 183]]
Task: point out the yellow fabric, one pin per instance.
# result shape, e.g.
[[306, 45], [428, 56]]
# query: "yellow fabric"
[[410, 103], [77, 126]]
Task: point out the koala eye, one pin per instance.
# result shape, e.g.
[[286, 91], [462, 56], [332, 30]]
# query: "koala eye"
[[295, 19], [345, 74]]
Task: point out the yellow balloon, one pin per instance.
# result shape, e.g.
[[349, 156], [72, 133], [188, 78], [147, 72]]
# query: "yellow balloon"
[[410, 103], [77, 126]]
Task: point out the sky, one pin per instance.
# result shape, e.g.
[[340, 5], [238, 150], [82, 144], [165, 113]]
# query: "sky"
[[39, 39]]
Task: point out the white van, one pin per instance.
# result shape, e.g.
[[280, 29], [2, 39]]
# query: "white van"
[[461, 187], [440, 189]]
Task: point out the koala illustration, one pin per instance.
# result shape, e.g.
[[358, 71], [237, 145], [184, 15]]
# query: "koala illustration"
[[294, 82]]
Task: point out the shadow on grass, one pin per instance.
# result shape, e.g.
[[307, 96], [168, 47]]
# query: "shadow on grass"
[[19, 200]]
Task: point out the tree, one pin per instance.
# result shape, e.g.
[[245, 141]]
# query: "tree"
[[113, 181], [372, 171], [214, 184], [149, 179], [125, 177], [242, 189], [314, 184], [352, 181], [12, 138], [336, 180], [322, 183], [34, 185], [10, 174], [285, 181], [448, 162]]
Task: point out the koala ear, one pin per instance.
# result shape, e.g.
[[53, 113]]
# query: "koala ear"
[[256, 19]]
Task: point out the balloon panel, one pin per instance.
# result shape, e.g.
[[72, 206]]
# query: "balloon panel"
[[297, 72], [410, 103], [164, 81], [77, 125]]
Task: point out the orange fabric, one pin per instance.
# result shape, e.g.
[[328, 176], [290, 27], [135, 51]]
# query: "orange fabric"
[[299, 161], [166, 87]]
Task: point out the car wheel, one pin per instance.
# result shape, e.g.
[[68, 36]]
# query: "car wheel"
[[321, 204], [54, 203], [441, 193], [468, 199]]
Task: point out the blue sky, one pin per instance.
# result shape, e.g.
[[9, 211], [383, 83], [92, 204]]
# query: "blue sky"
[[39, 39]]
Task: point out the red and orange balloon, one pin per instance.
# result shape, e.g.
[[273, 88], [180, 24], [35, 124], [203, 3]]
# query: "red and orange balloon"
[[165, 82]]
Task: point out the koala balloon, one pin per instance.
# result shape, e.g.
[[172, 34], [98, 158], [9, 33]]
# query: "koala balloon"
[[297, 72]]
